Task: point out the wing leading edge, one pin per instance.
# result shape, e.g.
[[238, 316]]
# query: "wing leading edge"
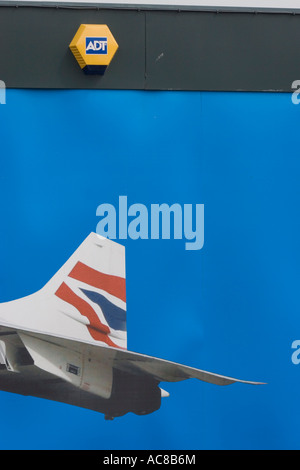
[[166, 371]]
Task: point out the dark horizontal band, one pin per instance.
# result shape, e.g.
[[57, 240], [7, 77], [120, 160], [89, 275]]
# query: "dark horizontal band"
[[158, 49]]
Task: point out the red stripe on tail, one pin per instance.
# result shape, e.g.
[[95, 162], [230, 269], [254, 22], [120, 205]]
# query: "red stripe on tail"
[[114, 285], [97, 330]]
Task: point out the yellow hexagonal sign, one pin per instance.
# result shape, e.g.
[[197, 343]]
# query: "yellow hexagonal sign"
[[93, 47]]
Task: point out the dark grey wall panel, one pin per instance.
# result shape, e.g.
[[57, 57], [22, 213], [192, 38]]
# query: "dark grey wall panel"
[[180, 50], [34, 48], [222, 51]]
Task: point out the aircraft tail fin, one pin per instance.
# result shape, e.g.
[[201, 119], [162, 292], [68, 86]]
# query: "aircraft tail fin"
[[91, 289]]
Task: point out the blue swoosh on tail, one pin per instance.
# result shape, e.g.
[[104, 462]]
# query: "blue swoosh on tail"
[[115, 316]]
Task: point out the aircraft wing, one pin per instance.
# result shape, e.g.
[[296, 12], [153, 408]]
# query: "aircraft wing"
[[83, 374], [166, 371], [134, 363]]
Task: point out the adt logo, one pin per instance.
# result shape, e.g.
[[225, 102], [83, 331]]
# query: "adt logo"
[[95, 45]]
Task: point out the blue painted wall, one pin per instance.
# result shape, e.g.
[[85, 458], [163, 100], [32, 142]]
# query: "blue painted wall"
[[231, 308]]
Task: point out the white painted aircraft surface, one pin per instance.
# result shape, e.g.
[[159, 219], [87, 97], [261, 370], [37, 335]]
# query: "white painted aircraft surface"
[[68, 341]]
